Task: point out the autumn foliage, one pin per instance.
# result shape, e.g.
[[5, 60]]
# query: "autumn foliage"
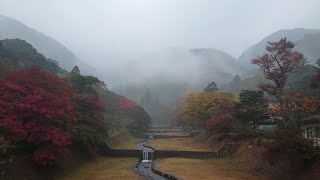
[[35, 107], [287, 145], [208, 109], [277, 64], [44, 114], [125, 104], [90, 104], [90, 126], [298, 107], [41, 79]]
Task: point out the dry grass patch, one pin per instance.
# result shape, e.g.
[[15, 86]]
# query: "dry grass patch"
[[129, 144], [177, 133], [183, 144], [196, 169], [104, 168]]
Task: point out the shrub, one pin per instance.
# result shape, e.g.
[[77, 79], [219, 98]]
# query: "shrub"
[[90, 126], [288, 145], [35, 108]]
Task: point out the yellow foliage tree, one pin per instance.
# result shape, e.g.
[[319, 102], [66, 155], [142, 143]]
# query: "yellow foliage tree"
[[202, 106]]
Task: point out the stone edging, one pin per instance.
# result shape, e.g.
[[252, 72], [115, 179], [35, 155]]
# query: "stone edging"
[[168, 176], [149, 147]]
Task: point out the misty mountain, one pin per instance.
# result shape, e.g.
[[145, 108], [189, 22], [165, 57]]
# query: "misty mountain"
[[215, 65], [307, 42], [194, 66], [156, 80], [20, 55], [11, 29]]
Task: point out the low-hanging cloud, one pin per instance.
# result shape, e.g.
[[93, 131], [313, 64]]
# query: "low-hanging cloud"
[[116, 35]]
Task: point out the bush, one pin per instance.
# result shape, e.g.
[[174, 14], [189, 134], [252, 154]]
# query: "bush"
[[286, 145], [258, 140], [35, 108], [90, 126], [5, 148]]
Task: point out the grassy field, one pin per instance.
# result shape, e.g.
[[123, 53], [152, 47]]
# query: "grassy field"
[[104, 168], [130, 144], [179, 144], [196, 169]]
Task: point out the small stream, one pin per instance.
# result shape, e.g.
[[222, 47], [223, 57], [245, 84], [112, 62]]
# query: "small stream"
[[144, 166]]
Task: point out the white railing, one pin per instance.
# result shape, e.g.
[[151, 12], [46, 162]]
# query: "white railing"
[[316, 141]]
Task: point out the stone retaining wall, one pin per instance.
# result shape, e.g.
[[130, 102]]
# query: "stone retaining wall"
[[169, 136], [168, 176], [183, 154], [122, 153], [227, 149]]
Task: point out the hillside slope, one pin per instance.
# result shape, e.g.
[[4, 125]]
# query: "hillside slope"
[[307, 41], [10, 29], [19, 55], [158, 79]]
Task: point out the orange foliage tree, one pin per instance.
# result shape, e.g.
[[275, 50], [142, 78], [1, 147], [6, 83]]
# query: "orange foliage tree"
[[277, 64], [297, 107]]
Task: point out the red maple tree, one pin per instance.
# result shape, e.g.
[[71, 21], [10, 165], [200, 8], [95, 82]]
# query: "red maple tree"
[[35, 107], [125, 104], [277, 64]]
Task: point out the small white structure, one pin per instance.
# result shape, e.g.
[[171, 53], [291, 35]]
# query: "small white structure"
[[312, 132], [150, 137], [147, 156], [311, 129]]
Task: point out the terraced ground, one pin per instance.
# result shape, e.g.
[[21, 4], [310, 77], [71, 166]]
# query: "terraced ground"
[[184, 168], [197, 169], [104, 168], [176, 144]]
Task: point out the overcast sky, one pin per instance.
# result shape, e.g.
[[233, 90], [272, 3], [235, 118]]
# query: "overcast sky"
[[98, 29]]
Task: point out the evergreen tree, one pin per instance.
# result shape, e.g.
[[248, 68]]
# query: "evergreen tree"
[[211, 87], [252, 107]]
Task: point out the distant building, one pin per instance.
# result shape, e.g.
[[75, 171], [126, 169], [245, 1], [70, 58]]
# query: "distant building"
[[269, 123], [311, 129]]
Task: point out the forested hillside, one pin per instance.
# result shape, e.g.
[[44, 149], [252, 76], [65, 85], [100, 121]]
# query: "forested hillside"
[[49, 47], [20, 55], [307, 41], [172, 72], [45, 110]]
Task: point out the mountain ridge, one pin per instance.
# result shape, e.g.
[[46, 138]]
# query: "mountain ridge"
[[11, 28], [294, 35]]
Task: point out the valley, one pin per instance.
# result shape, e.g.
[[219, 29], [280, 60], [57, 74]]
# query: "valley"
[[159, 89]]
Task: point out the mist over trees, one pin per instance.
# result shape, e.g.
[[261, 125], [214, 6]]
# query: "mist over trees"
[[220, 86]]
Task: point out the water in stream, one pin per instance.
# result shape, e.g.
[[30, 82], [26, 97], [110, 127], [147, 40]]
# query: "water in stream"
[[145, 167]]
